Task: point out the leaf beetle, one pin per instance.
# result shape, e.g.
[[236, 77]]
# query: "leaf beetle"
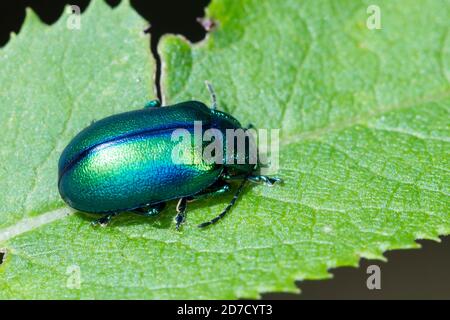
[[124, 163]]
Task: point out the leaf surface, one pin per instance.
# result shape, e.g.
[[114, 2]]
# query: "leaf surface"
[[364, 146]]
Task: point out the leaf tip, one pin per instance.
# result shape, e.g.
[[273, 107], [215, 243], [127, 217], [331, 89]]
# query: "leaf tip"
[[30, 16], [372, 255]]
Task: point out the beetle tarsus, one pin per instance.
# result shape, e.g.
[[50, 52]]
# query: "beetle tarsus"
[[153, 104], [151, 210], [103, 221], [268, 181], [181, 212]]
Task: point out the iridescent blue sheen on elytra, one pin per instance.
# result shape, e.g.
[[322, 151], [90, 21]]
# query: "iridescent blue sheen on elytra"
[[123, 162]]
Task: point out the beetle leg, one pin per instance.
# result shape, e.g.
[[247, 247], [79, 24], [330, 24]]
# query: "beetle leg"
[[103, 221], [153, 104], [181, 212], [217, 188], [150, 211], [228, 208], [268, 181]]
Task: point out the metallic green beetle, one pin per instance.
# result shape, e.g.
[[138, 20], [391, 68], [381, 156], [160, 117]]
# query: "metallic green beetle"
[[124, 163]]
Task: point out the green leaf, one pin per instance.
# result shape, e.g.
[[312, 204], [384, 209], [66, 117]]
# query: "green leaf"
[[364, 146]]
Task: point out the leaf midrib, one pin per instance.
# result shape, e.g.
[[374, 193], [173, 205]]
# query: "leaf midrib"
[[318, 134]]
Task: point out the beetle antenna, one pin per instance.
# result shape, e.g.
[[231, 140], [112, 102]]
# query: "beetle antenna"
[[229, 206], [213, 95]]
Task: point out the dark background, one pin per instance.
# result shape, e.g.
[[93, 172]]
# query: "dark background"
[[410, 274]]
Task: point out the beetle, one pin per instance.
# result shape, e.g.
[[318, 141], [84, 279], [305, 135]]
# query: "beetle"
[[124, 163]]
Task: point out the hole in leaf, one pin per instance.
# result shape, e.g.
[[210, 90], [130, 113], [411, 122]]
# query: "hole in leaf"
[[176, 17]]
